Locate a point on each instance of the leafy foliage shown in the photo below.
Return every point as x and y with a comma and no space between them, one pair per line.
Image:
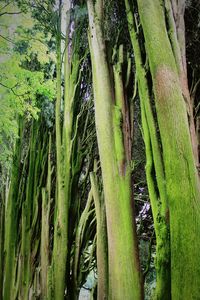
23,80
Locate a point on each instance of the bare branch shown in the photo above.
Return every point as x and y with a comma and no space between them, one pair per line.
10,13
5,6
7,39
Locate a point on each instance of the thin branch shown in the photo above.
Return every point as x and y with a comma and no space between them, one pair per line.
7,39
5,6
29,38
12,90
10,13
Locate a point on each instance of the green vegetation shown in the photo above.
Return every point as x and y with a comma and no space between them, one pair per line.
99,150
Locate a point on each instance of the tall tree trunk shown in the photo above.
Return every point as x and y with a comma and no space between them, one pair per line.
154,164
11,213
27,216
29,199
2,225
65,139
61,209
102,255
45,229
182,183
116,172
176,30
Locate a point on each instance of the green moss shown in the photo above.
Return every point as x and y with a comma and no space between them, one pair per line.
118,136
11,214
182,183
154,163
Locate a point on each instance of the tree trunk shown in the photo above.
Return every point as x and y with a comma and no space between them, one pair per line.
116,172
182,183
65,138
102,255
176,30
154,164
2,225
11,212
45,228
61,209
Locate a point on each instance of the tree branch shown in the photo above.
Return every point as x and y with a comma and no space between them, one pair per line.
5,6
7,39
12,89
10,13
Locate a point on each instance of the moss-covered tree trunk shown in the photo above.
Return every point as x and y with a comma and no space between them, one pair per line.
124,282
154,167
2,218
61,207
27,208
45,229
11,214
180,174
34,172
174,11
66,137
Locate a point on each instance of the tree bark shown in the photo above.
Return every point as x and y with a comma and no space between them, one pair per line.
11,212
182,183
154,164
116,172
102,255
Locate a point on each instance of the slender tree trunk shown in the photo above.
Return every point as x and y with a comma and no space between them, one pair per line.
176,30
27,208
65,138
2,218
45,251
102,256
122,245
11,223
78,245
61,209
